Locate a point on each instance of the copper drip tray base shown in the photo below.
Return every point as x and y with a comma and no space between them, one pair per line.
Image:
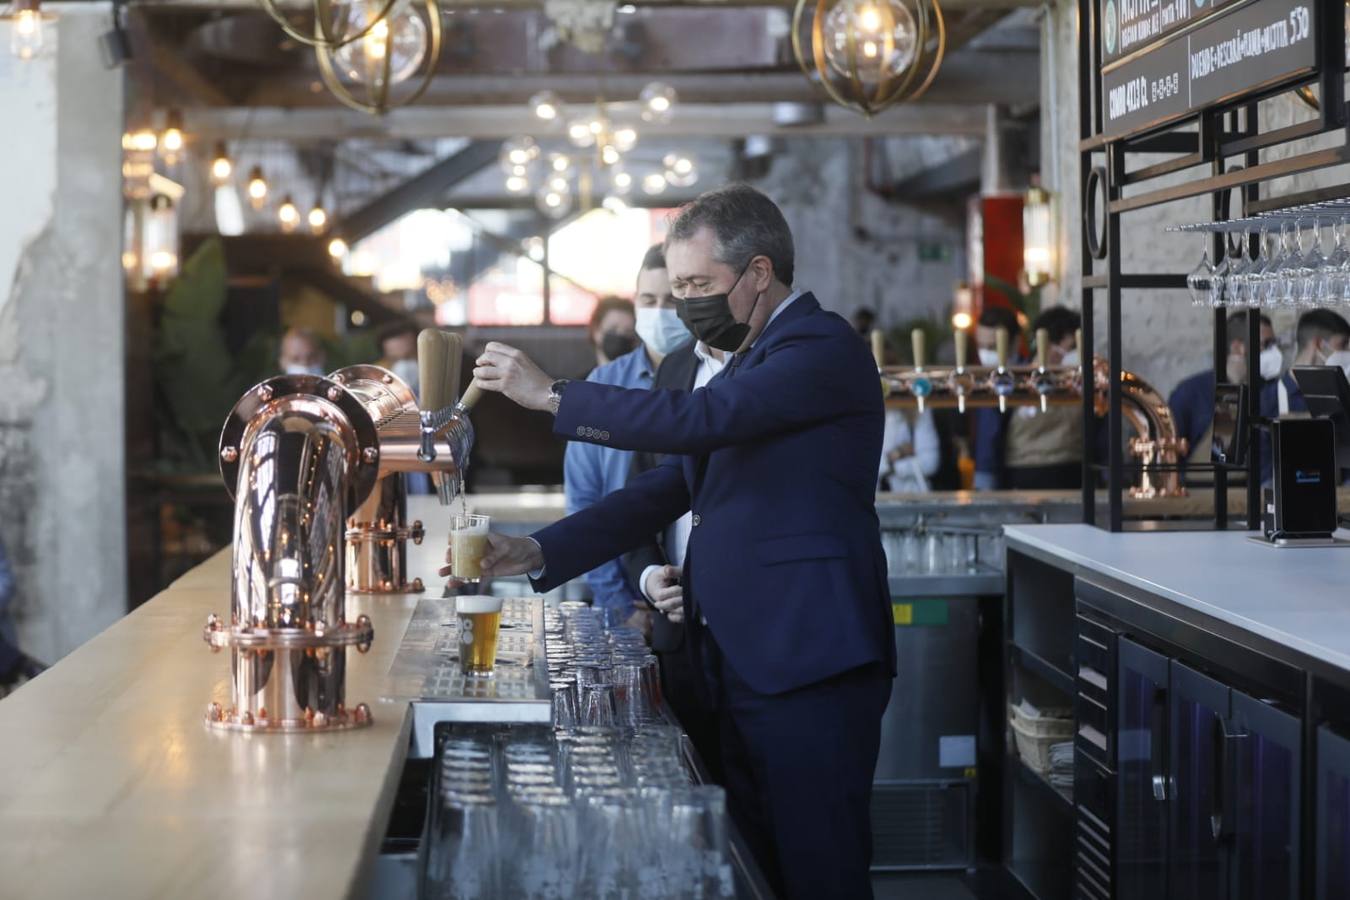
229,719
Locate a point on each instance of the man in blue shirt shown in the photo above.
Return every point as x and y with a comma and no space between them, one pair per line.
1192,400
591,471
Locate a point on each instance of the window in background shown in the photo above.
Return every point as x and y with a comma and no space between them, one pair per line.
597,255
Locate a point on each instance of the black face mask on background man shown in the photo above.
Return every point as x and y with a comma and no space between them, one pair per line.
709,318
617,343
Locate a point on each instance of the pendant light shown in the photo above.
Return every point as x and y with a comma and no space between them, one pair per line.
27,22
334,24
870,54
362,73
288,215
257,187
318,218
221,165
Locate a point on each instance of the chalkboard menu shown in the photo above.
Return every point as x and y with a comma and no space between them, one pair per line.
1229,54
1128,25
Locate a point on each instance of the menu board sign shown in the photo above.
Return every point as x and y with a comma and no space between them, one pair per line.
1128,25
1235,52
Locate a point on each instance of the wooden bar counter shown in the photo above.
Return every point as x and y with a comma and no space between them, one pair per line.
113,786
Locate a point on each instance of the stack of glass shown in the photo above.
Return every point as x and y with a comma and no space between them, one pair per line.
931,551
600,805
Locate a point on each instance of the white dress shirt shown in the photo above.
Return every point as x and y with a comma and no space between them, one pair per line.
911,473
677,535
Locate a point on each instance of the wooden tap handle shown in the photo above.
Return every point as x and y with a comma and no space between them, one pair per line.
962,340
879,347
1042,347
431,353
917,337
1001,340
471,395
454,357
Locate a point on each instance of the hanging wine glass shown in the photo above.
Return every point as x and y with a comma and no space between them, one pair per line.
1256,274
1310,263
1200,278
1329,288
1239,285
1218,285
1280,284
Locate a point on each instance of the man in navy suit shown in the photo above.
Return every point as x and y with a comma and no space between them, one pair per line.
786,604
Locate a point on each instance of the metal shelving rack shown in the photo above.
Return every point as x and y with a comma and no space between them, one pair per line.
1225,137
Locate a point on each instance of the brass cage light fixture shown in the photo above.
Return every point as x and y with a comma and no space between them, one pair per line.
870,54
406,42
335,24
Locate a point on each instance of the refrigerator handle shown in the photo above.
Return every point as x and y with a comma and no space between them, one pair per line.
1227,746
1157,725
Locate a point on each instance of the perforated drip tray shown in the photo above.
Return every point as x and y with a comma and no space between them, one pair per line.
426,670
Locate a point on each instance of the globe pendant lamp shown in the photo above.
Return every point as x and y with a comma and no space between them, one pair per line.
362,73
870,54
335,24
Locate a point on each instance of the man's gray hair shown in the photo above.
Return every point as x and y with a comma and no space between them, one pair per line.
744,223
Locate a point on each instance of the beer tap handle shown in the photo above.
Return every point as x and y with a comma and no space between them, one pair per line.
431,369
879,347
962,339
1001,341
1042,347
917,337
472,394
454,356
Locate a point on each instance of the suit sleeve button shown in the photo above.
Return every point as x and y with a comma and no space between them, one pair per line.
697,520
581,431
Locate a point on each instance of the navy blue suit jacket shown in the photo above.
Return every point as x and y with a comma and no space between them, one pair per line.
776,458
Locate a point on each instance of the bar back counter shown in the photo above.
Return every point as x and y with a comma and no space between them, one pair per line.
1209,679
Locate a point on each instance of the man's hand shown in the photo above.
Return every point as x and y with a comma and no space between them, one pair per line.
904,451
666,593
505,556
505,370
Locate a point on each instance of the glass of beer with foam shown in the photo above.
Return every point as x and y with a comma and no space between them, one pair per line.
479,622
468,543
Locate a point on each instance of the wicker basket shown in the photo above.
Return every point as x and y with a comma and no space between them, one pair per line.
1035,736
1051,723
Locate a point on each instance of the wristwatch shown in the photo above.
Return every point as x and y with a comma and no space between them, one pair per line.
555,392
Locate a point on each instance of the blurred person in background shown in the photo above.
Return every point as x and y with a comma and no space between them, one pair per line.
864,320
1044,450
302,353
613,329
1192,401
16,667
398,353
592,471
990,424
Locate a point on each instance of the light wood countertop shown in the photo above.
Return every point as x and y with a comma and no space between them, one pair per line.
112,786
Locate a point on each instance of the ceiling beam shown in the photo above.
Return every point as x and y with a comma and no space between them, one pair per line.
427,188
733,120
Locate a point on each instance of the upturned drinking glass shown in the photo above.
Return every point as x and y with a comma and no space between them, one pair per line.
1311,262
1239,284
1199,280
1329,287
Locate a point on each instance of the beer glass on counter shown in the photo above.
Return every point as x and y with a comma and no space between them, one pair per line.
468,544
479,623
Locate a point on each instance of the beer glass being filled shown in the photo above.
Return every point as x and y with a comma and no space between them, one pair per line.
468,543
479,622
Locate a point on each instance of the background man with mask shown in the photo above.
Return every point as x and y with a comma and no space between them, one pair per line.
613,329
1044,450
591,471
1321,339
787,610
1192,400
301,353
398,353
654,568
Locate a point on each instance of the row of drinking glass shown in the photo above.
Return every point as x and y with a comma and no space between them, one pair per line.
590,813
1290,266
930,552
600,673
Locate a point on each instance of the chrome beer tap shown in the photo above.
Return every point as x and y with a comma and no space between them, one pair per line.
1001,381
960,382
1042,380
919,385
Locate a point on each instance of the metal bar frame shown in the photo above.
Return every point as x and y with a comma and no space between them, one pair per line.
1227,137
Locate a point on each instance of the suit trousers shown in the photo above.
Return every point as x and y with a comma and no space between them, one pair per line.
797,768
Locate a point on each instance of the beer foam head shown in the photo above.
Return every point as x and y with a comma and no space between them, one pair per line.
478,604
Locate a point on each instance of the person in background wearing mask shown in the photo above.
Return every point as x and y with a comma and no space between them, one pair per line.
1320,340
591,471
1044,450
302,353
655,567
1192,401
613,329
398,353
990,424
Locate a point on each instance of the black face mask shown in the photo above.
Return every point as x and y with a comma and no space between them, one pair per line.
617,343
710,320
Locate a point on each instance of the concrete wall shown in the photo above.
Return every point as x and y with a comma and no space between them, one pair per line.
853,248
62,467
